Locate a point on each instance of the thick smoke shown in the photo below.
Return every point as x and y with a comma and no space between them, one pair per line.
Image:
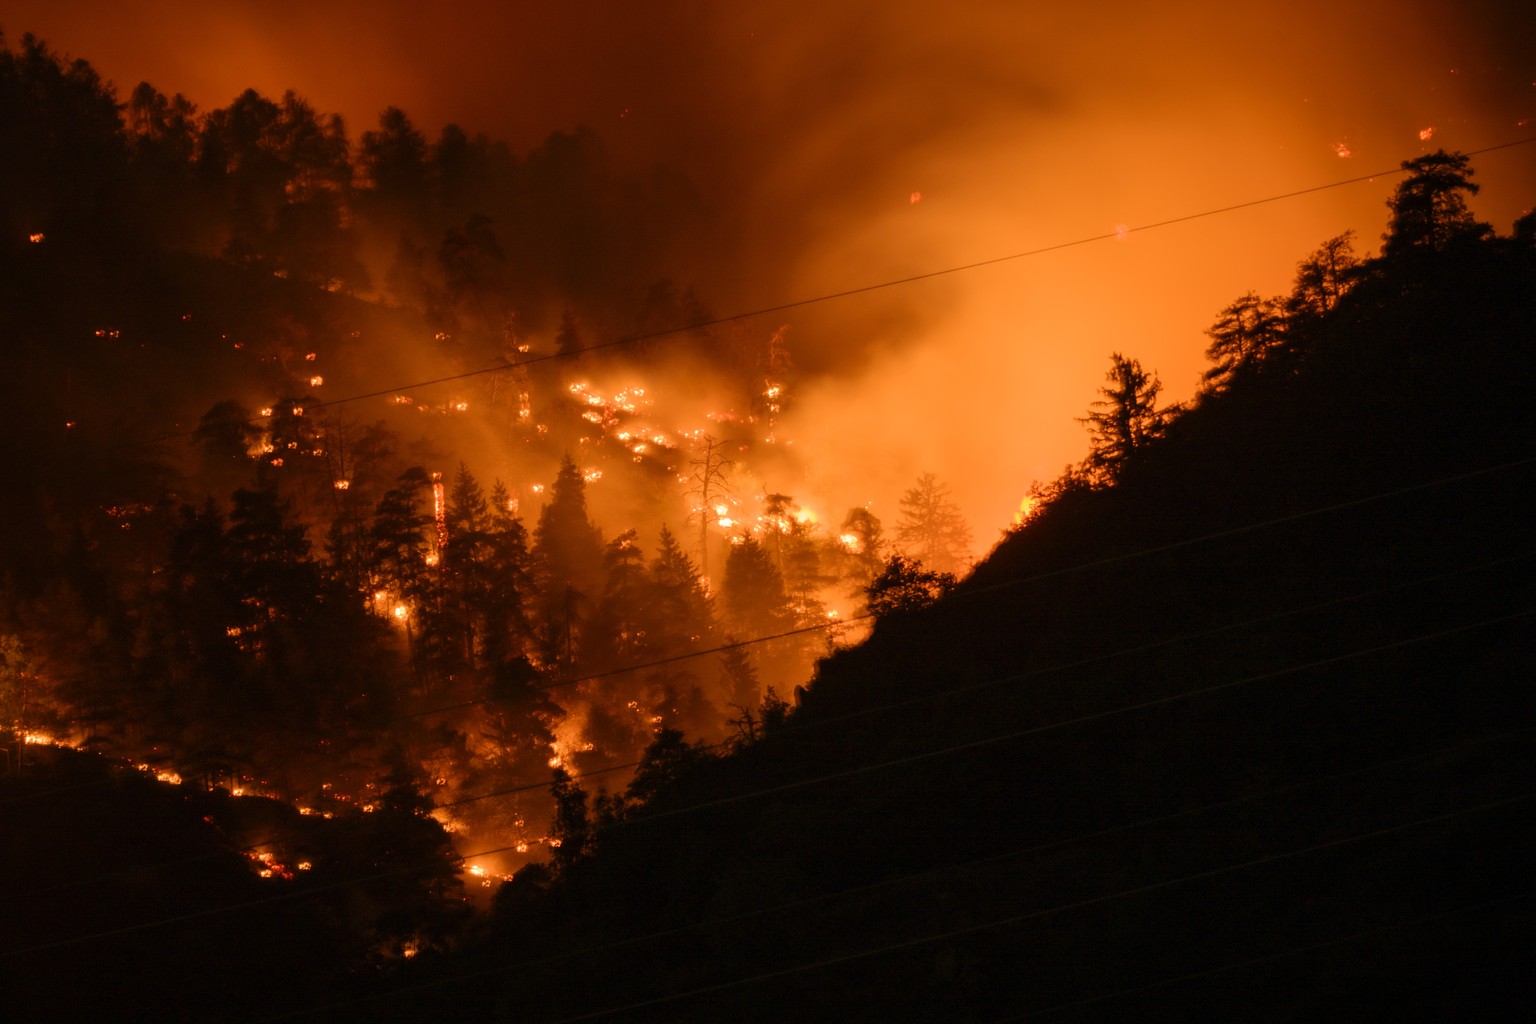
854,143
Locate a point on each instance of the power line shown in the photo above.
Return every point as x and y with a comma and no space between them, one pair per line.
829,777
930,873
795,729
800,728
1083,719
969,592
1283,954
1016,919
844,293
300,893
966,592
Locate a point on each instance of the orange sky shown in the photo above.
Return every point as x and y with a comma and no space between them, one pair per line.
810,127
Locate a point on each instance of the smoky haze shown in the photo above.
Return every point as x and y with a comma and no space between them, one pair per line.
843,144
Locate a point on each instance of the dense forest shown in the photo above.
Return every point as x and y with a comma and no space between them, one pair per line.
304,720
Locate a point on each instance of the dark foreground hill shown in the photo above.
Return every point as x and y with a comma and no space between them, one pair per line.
1245,736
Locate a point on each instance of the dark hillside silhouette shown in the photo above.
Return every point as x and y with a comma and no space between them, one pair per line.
1242,735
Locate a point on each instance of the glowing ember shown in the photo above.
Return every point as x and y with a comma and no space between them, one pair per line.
316,381
1342,150
342,485
1425,134
36,237
266,410
309,357
915,198
401,612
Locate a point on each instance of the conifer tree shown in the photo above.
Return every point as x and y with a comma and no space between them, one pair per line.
932,530
569,550
565,540
1245,335
1323,278
1125,420
1429,208
755,602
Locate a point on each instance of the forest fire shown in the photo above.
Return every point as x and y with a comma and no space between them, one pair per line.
570,539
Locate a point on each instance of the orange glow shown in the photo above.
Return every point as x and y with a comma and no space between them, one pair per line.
1139,115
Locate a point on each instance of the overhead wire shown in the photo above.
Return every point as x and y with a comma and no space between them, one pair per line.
832,296
1017,919
919,876
966,592
1291,951
799,728
834,776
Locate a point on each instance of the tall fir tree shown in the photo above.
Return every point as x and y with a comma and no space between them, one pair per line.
932,530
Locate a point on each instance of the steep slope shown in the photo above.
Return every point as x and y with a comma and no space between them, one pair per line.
1246,734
